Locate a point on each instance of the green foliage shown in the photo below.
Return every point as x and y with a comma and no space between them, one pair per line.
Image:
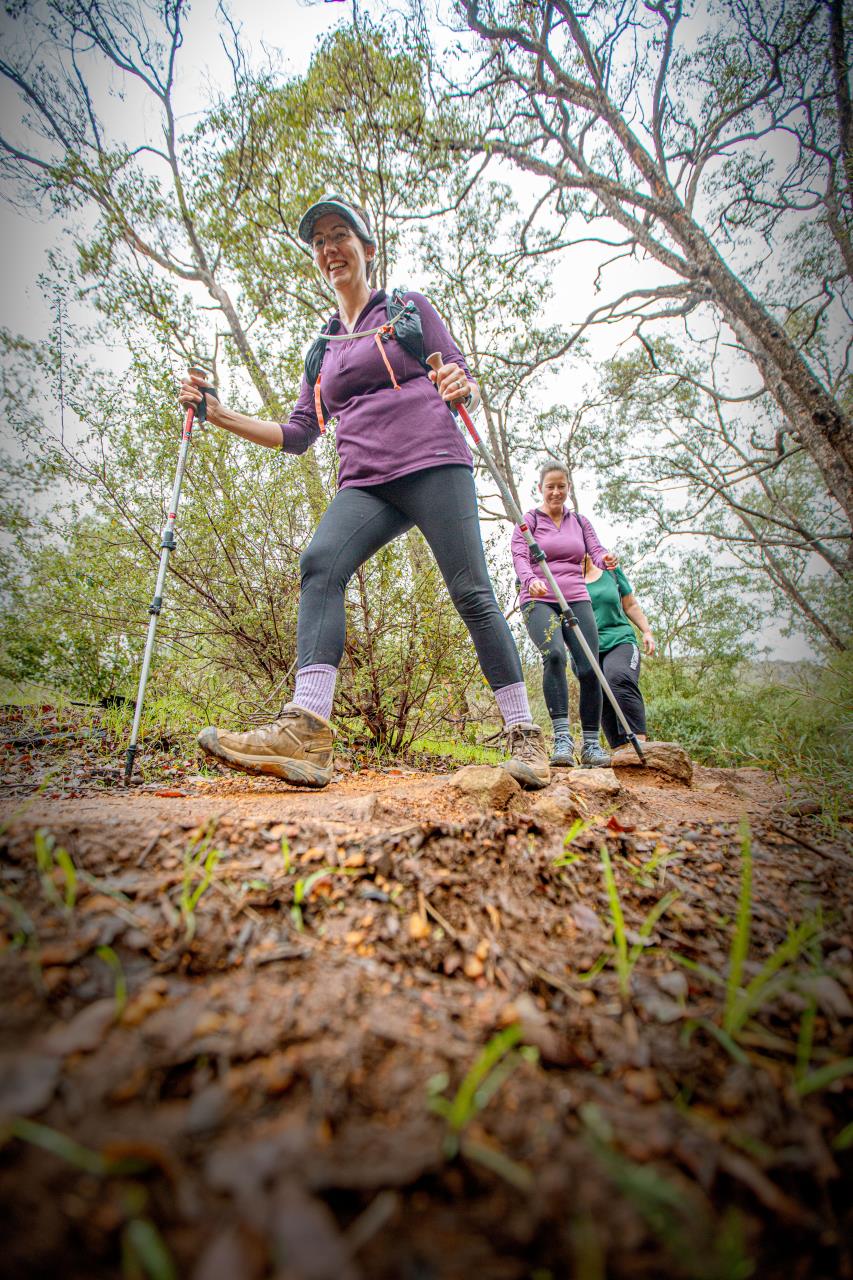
200,862
794,721
50,860
113,963
672,1212
624,957
740,938
496,1062
742,1001
145,1254
303,886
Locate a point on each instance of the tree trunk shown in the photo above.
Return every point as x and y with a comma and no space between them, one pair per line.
814,414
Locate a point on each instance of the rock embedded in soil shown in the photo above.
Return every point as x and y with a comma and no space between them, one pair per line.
594,784
490,786
557,805
666,757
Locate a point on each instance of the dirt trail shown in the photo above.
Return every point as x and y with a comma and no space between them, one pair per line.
258,1016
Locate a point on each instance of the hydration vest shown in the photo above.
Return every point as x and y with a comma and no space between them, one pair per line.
403,322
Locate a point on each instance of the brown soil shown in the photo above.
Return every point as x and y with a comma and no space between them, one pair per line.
267,1101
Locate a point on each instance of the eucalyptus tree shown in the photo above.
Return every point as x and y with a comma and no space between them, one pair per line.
685,458
495,296
713,143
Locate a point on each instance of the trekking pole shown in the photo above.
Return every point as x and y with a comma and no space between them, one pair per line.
435,362
195,413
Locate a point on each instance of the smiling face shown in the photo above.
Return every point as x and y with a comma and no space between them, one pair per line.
555,489
341,257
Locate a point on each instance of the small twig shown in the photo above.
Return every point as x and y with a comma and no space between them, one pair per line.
844,858
151,845
549,978
440,920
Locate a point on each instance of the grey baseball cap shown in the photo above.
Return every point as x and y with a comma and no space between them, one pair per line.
333,202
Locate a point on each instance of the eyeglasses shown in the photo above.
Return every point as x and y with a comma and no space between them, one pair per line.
319,243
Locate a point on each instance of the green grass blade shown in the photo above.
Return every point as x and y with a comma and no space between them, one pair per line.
649,923
112,961
722,1036
463,1106
823,1077
64,861
59,1144
740,940
517,1175
757,990
623,969
146,1250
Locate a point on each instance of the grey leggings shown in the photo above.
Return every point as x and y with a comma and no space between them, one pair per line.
551,637
442,503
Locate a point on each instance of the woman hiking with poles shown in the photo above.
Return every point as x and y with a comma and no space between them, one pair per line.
402,464
566,538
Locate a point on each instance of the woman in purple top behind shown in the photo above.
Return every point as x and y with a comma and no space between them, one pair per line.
566,538
403,463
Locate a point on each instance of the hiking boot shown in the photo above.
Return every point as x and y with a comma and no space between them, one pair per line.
296,747
563,754
528,759
594,756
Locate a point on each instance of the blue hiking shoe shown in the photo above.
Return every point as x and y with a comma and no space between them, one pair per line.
563,754
594,756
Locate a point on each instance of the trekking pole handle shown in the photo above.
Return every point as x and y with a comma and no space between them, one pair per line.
436,362
199,411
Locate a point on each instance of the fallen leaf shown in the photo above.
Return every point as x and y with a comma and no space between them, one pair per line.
151,997
170,795
586,919
643,1084
84,1032
674,984
27,1082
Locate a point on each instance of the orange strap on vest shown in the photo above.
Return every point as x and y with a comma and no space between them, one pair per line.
318,406
377,338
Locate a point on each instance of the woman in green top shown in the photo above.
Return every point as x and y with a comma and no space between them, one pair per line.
614,604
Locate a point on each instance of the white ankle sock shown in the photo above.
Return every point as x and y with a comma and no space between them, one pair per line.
513,704
315,689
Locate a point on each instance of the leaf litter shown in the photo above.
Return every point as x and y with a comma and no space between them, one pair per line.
387,1031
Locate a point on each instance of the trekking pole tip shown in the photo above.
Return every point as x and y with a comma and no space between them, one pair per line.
128,762
635,743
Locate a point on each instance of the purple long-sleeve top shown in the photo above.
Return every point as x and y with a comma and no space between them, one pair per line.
381,433
564,550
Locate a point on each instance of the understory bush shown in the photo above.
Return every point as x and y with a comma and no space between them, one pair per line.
800,728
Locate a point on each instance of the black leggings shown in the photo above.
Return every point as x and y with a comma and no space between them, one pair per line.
621,666
442,503
543,622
